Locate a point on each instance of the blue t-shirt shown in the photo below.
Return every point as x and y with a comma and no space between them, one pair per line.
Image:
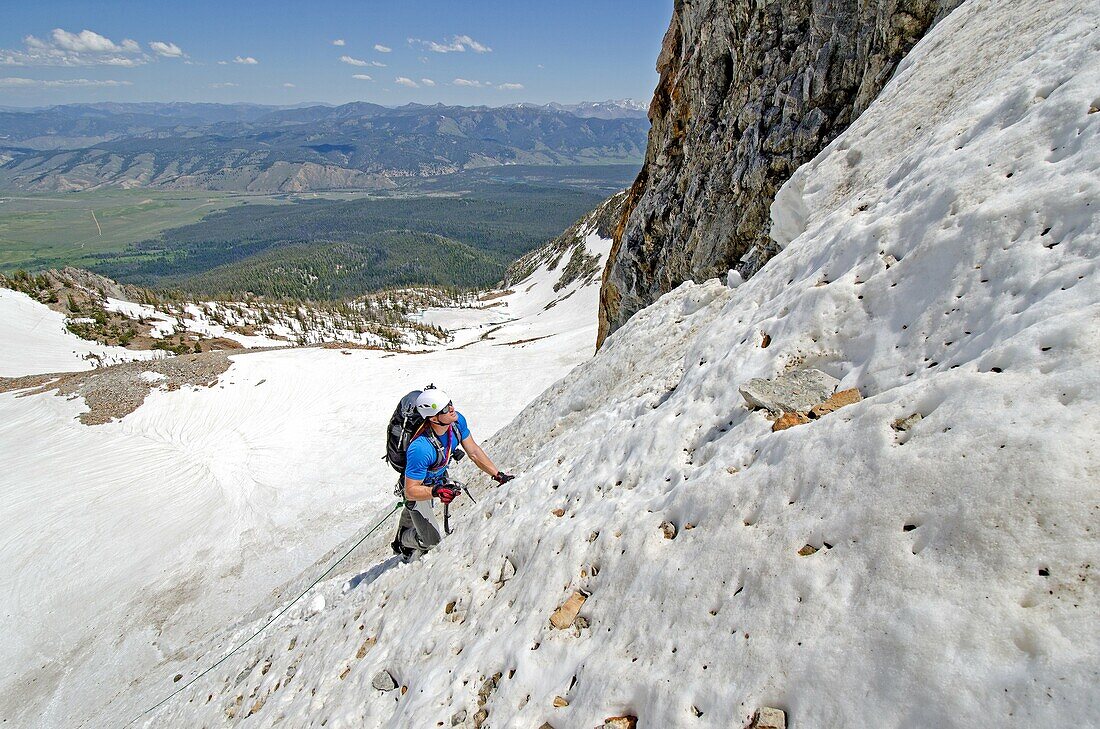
421,454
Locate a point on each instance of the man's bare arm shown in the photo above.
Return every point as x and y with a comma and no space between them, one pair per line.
478,456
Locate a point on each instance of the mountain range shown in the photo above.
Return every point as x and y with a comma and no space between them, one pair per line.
244,147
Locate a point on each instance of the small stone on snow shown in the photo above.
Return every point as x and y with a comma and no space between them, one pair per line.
507,570
620,722
903,424
769,718
563,617
383,681
669,530
560,702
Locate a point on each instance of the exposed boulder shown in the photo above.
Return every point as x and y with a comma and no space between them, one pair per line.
793,392
748,92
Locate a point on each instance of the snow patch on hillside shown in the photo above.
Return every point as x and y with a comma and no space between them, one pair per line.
948,268
36,341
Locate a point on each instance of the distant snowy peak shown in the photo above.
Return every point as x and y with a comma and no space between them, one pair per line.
611,109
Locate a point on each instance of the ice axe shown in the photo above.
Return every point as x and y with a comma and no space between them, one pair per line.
461,488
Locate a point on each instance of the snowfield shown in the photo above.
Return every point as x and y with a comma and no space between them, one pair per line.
126,543
865,569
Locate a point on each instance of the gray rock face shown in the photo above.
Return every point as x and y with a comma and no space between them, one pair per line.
748,92
793,392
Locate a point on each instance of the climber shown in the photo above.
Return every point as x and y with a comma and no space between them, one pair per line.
433,445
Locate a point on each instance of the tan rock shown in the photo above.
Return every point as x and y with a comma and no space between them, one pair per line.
558,512
620,722
560,702
367,645
769,718
903,424
564,616
669,530
807,550
789,420
836,401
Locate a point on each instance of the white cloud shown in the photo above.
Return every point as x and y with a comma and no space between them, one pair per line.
457,44
467,82
377,64
427,82
381,48
362,77
223,63
352,61
472,44
339,42
510,87
86,48
168,50
289,86
402,81
85,41
246,60
12,82
225,85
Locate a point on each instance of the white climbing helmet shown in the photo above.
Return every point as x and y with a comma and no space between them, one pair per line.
431,401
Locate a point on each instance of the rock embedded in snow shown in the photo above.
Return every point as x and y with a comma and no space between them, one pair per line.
620,722
797,391
383,681
769,718
560,702
901,425
507,570
789,420
563,617
668,529
836,401
458,717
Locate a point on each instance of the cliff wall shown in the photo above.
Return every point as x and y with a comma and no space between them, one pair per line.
748,92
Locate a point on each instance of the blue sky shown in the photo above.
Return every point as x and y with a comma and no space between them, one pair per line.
276,52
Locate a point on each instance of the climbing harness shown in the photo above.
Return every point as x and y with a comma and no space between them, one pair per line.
325,574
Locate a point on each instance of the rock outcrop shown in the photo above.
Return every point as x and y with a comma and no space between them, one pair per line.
748,92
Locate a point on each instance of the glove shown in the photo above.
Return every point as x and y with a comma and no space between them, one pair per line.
502,478
444,493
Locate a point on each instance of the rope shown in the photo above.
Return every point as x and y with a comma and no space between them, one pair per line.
168,698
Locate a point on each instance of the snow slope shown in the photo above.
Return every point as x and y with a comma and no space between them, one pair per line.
36,341
946,265
127,544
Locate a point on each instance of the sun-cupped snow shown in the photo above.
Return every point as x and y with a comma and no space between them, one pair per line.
129,545
35,341
865,569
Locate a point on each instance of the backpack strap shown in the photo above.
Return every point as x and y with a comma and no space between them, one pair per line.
442,455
